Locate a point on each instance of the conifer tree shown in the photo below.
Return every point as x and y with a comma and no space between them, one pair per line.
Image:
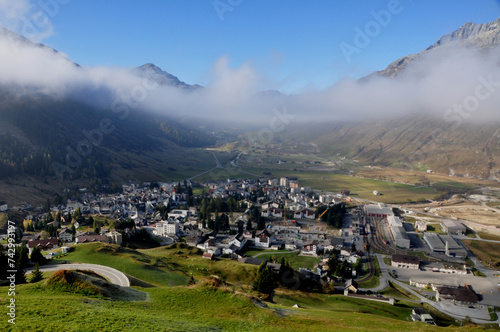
36,275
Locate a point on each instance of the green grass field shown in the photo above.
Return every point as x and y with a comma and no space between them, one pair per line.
132,262
435,228
199,308
192,308
3,220
360,188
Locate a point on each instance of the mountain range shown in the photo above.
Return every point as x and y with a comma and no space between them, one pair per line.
470,149
39,130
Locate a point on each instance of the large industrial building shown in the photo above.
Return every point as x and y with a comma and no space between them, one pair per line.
398,232
454,227
378,210
444,244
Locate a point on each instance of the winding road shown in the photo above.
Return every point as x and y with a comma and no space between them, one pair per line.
114,276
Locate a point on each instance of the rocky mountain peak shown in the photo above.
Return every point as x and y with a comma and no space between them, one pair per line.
481,36
160,76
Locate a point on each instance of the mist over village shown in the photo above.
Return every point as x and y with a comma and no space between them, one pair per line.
249,166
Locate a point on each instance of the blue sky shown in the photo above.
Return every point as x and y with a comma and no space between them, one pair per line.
292,44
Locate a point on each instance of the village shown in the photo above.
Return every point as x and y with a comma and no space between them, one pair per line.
172,216
229,218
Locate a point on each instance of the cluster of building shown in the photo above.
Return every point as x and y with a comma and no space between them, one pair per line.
140,202
438,243
398,233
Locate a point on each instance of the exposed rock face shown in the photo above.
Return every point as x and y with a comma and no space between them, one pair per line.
482,36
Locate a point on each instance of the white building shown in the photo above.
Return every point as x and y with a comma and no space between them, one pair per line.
284,182
405,261
164,228
398,232
114,237
3,206
66,235
263,239
178,213
453,227
421,226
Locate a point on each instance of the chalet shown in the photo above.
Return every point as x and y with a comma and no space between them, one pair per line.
28,238
296,206
194,239
3,206
91,238
309,214
351,285
43,244
231,250
457,295
298,214
66,235
270,205
263,239
238,240
310,249
333,243
272,213
405,261
278,246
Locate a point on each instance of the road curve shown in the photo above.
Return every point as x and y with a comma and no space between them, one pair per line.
114,276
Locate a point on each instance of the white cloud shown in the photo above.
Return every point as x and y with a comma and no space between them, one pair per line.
431,87
29,18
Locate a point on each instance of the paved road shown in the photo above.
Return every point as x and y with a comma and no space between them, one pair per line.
114,276
477,315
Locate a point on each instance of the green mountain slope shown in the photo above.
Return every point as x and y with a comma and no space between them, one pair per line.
470,150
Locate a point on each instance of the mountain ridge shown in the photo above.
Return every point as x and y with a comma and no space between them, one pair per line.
161,77
479,35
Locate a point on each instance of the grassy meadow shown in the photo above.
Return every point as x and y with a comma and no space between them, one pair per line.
169,304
